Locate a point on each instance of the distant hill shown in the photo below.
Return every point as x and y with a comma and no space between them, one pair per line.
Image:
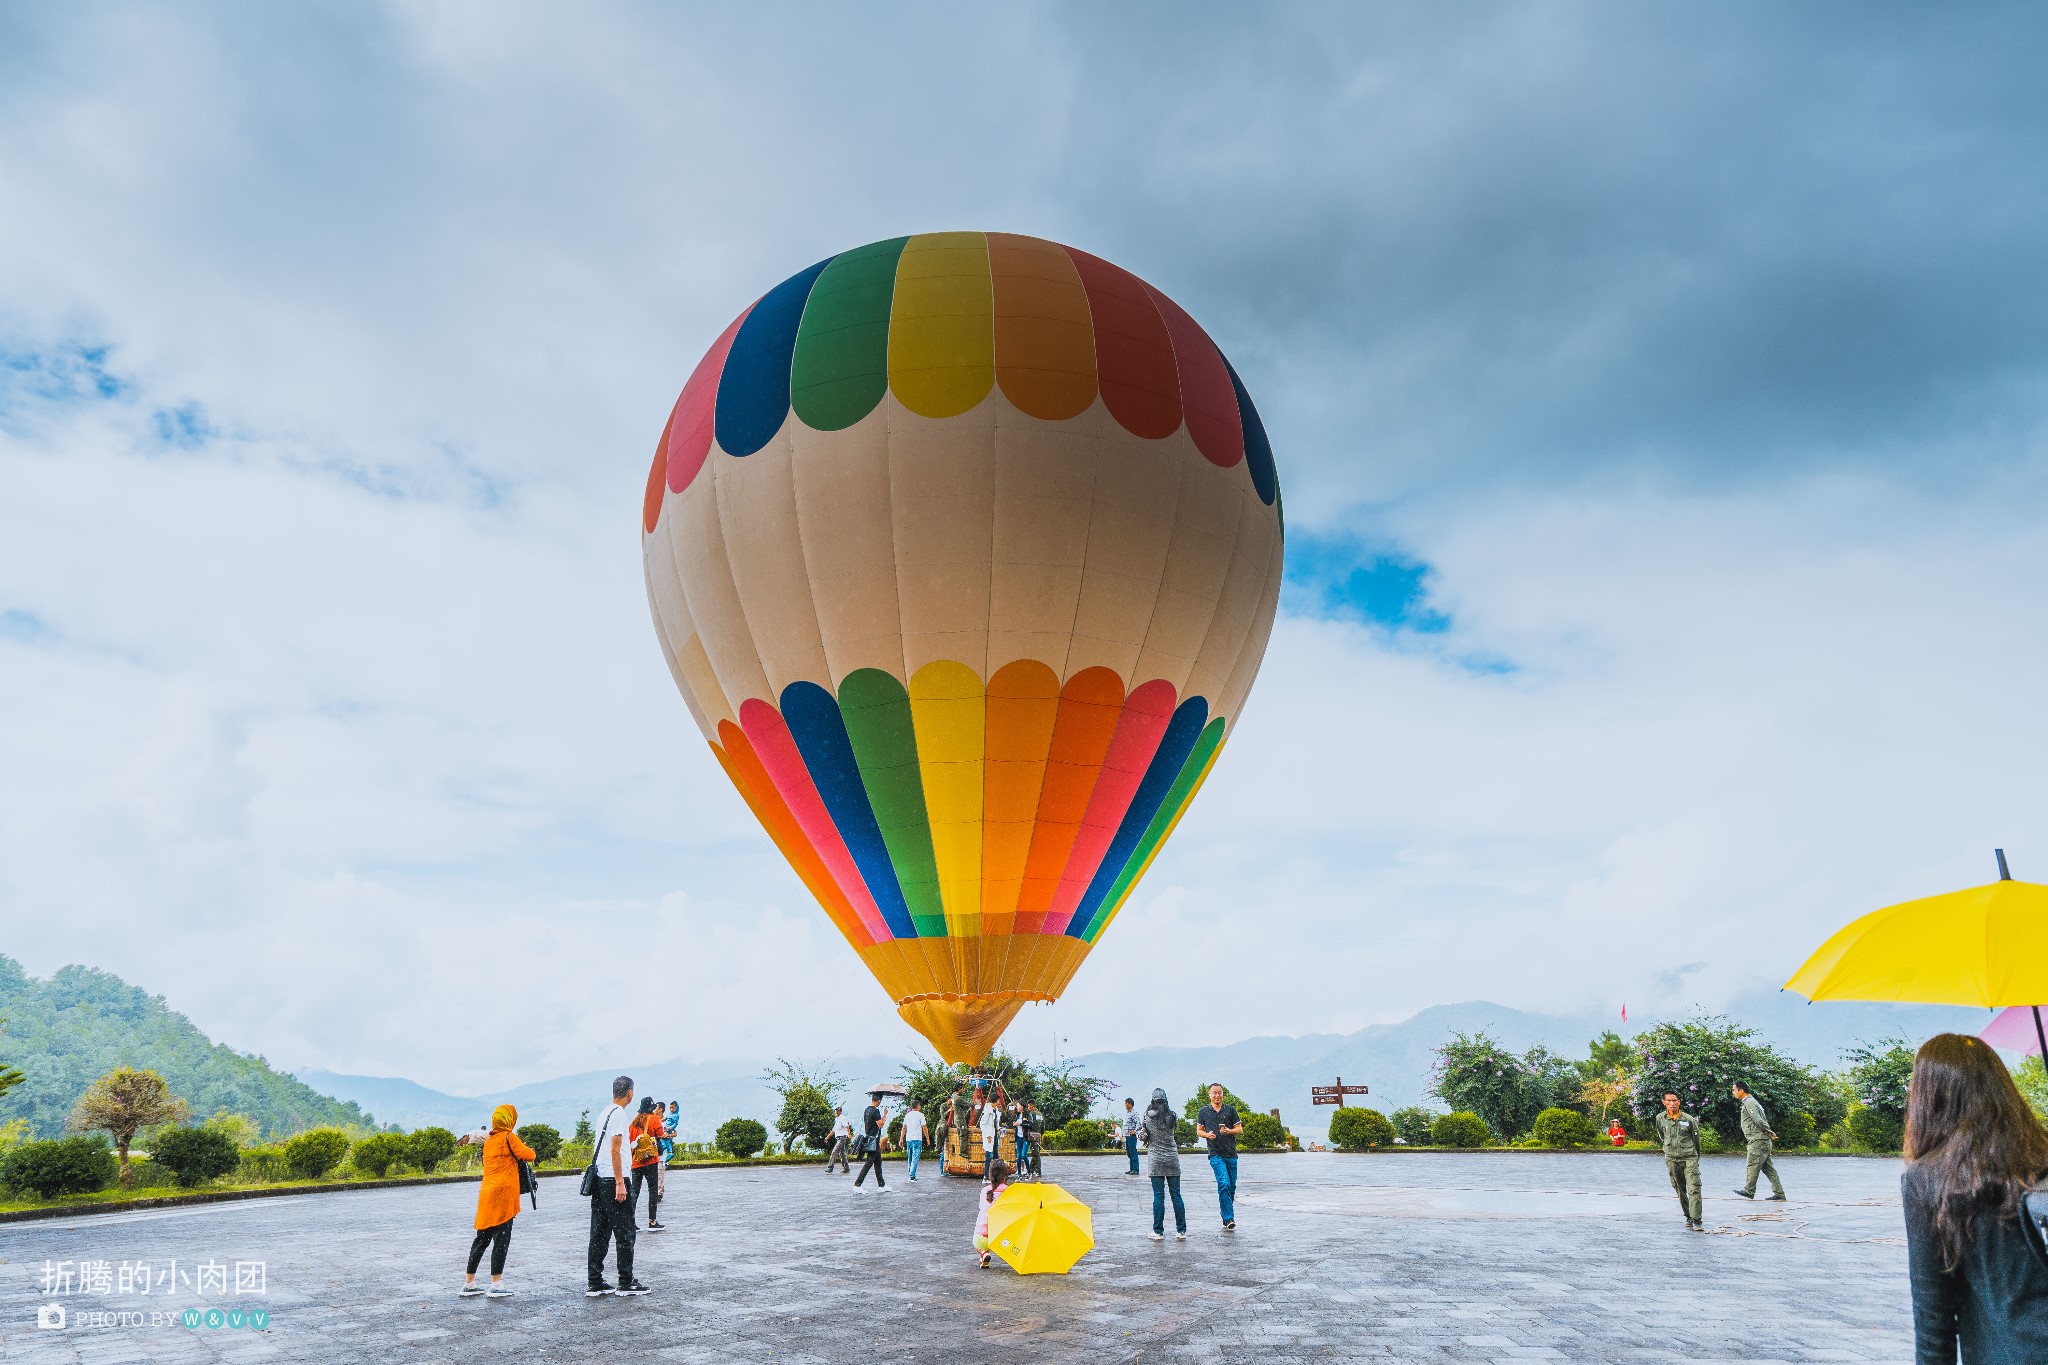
1394,1059
66,1032
1272,1072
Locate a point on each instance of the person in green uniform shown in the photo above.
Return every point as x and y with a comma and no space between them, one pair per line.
1681,1134
1757,1134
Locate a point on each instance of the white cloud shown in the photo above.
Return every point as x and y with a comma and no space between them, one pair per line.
347,725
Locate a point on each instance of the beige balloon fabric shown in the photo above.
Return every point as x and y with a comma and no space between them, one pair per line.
963,550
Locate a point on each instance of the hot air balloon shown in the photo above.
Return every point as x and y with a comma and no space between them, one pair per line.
963,549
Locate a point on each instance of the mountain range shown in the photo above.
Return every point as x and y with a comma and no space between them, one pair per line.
1393,1060
80,1023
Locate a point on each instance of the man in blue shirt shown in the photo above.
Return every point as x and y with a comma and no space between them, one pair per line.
1219,1126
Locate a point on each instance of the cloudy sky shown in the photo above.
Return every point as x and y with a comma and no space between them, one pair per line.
1659,397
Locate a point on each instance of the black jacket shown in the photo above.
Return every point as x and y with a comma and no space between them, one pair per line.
1994,1305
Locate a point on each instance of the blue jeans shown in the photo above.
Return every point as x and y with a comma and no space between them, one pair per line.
1023,1156
1160,1185
1225,1168
915,1149
1131,1151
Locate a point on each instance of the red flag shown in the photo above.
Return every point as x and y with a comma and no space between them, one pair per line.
1624,1011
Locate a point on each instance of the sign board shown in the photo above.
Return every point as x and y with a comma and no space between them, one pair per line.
1334,1094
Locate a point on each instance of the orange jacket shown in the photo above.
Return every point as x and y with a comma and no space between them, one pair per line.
497,1200
650,1124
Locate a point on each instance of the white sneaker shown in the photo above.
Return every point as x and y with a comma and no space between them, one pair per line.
497,1291
1156,1236
470,1291
1180,1236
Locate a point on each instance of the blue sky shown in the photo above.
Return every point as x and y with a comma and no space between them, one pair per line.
1658,400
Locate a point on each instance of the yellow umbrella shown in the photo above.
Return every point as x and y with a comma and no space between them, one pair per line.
1984,946
1040,1229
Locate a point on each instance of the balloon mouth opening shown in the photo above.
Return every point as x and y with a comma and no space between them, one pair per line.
964,1027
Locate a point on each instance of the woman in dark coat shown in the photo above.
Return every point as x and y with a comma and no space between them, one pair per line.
1973,1148
1162,1163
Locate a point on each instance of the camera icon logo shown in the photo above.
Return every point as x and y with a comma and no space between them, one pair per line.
50,1316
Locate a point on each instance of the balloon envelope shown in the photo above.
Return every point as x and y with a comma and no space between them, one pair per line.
963,549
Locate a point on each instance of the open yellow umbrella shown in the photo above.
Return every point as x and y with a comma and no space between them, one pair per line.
1984,946
1040,1229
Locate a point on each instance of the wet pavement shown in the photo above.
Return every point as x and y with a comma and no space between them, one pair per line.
1410,1257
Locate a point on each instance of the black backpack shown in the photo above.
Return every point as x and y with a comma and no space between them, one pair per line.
2034,1221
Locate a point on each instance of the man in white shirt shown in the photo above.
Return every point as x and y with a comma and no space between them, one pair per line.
842,1134
612,1197
991,1124
913,1135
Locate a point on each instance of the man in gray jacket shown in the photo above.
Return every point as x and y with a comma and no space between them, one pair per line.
1756,1132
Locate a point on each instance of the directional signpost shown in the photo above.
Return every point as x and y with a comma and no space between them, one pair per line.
1334,1094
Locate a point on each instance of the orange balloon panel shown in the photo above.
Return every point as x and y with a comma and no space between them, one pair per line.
963,549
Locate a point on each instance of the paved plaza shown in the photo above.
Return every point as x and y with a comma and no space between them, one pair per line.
1505,1257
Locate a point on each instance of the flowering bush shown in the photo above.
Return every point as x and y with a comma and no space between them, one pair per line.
1478,1075
1699,1060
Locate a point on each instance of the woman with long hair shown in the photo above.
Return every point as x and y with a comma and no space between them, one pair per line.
1973,1148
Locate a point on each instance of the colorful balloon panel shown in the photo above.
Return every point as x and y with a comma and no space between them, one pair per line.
963,549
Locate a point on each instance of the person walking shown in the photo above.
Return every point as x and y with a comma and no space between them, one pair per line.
842,1133
1758,1137
1681,1134
913,1137
1973,1151
1131,1127
497,1202
1162,1163
612,1196
646,1137
874,1136
1219,1126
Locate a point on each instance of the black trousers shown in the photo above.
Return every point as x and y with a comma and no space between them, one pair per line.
498,1239
612,1220
650,1178
872,1161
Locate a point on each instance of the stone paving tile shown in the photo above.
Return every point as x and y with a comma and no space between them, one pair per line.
1510,1258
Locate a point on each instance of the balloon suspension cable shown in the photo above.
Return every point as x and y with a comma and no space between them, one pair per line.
2039,1036
2004,872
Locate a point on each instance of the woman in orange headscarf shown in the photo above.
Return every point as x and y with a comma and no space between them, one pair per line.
497,1202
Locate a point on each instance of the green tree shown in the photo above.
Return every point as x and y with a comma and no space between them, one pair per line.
428,1147
195,1155
1079,1135
73,1165
740,1137
584,1133
241,1130
544,1138
1699,1059
1358,1130
315,1152
122,1103
1878,1074
1460,1130
1062,1093
1262,1132
1562,1128
808,1091
379,1152
2033,1083
1476,1074
1605,1055
1412,1125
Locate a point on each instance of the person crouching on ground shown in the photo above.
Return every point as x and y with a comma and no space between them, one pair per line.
497,1202
1681,1134
645,1133
998,1181
1973,1151
1162,1158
